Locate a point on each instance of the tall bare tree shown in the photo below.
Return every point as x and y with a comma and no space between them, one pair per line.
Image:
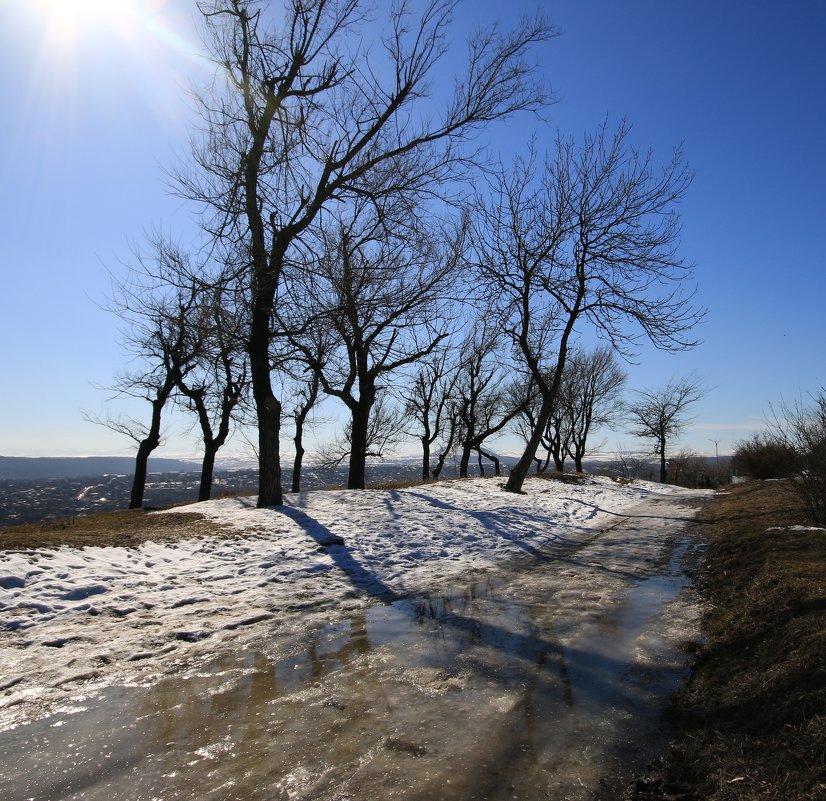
155,333
587,238
427,403
485,402
210,369
553,445
661,415
303,117
594,381
215,382
379,294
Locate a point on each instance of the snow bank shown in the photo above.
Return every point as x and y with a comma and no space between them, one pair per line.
74,617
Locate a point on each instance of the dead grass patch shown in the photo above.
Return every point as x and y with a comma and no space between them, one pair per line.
127,528
751,721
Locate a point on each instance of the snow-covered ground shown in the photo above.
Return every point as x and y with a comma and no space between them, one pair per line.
77,619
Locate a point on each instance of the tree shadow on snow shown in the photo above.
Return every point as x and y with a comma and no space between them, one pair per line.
335,547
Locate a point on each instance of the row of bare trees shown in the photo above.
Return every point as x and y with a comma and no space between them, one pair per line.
367,249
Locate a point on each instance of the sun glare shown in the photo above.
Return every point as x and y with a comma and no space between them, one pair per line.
85,51
70,21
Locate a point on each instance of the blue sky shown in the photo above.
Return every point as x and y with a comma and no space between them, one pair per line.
95,108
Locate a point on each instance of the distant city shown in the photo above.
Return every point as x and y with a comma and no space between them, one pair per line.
55,488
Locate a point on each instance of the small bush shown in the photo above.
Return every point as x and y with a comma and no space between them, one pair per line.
765,456
804,428
801,428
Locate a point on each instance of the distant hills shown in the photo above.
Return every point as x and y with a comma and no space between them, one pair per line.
23,467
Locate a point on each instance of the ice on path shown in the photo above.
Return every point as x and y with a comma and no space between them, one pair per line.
118,614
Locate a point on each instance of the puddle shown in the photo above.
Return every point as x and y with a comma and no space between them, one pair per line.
507,688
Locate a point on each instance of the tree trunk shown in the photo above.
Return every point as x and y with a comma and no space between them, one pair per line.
425,458
578,464
148,444
269,456
359,429
663,469
267,406
464,461
520,470
497,468
139,481
207,467
479,462
299,458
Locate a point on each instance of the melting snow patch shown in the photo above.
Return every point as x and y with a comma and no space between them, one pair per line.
287,569
796,528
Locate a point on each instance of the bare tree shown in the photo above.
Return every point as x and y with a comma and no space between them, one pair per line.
661,415
427,401
593,383
303,117
385,430
553,444
216,380
627,464
765,455
380,296
485,402
155,332
305,399
304,387
589,237
689,469
210,370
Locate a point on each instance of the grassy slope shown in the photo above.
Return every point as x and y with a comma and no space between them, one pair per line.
751,721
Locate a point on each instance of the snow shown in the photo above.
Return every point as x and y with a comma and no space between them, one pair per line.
796,528
78,619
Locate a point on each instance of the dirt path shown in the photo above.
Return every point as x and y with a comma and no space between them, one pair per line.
544,681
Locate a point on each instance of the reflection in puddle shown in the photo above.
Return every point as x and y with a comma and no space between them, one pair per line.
482,693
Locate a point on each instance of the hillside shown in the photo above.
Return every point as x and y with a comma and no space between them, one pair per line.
23,467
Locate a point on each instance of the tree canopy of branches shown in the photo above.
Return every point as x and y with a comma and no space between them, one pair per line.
587,237
303,117
661,415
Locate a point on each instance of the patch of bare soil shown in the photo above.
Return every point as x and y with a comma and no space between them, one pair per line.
126,528
751,721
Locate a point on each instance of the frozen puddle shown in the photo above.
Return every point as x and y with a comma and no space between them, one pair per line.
542,682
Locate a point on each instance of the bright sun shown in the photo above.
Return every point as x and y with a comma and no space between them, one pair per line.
69,21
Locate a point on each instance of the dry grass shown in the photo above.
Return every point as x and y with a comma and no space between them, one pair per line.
751,720
126,528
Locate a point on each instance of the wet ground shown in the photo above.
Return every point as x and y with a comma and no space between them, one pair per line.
544,681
